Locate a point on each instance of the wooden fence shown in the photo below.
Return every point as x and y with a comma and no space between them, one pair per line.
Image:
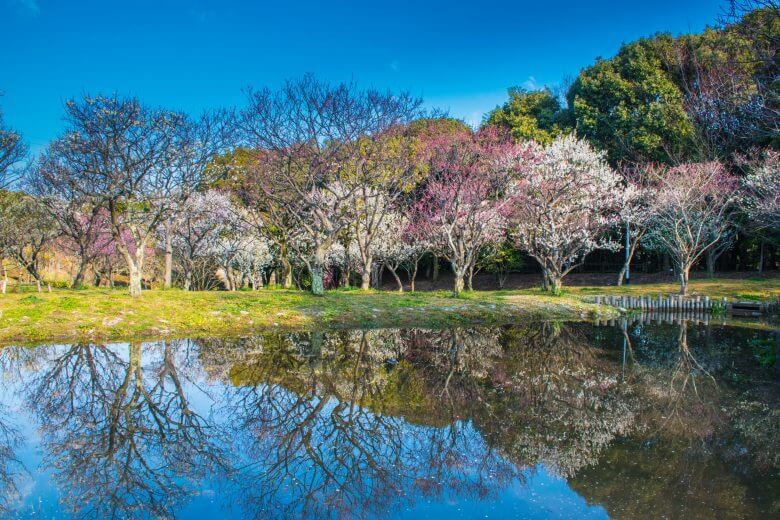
678,303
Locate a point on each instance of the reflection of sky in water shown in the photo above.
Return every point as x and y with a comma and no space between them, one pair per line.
541,495
390,465
538,495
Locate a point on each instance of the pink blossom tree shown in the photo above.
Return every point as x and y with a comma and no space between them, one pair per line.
694,211
84,226
563,205
464,200
86,233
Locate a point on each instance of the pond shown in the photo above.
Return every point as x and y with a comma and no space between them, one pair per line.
537,420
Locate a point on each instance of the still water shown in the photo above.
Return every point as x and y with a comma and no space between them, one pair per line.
529,421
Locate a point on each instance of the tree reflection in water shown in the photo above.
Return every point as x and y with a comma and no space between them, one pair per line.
11,469
119,432
321,436
366,422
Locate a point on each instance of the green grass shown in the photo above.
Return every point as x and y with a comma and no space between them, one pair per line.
762,289
103,314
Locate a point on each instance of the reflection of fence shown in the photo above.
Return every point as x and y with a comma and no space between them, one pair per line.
668,317
677,304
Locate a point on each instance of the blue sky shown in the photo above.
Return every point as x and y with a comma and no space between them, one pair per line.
191,55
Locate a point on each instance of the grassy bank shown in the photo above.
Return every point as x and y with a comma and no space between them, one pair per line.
98,314
101,314
763,289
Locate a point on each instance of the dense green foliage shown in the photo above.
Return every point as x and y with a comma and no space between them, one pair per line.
630,106
536,115
665,98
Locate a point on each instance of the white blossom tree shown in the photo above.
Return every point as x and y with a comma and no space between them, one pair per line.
395,248
26,230
313,135
199,225
636,213
385,170
254,256
695,207
563,205
761,198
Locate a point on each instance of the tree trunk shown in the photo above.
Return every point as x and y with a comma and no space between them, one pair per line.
135,279
684,280
632,246
621,274
458,286
134,261
365,275
556,284
377,270
551,281
78,280
287,280
316,268
168,274
397,279
711,258
435,277
5,277
761,259
187,279
471,278
272,278
413,276
502,275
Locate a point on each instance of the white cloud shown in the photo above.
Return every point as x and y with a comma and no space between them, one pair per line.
530,84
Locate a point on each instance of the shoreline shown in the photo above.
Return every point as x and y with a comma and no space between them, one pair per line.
104,315
101,315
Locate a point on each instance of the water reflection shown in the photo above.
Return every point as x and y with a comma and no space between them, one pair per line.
118,429
526,420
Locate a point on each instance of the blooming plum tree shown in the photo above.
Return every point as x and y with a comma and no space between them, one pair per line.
636,212
313,135
562,206
694,211
138,163
203,218
761,199
464,200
